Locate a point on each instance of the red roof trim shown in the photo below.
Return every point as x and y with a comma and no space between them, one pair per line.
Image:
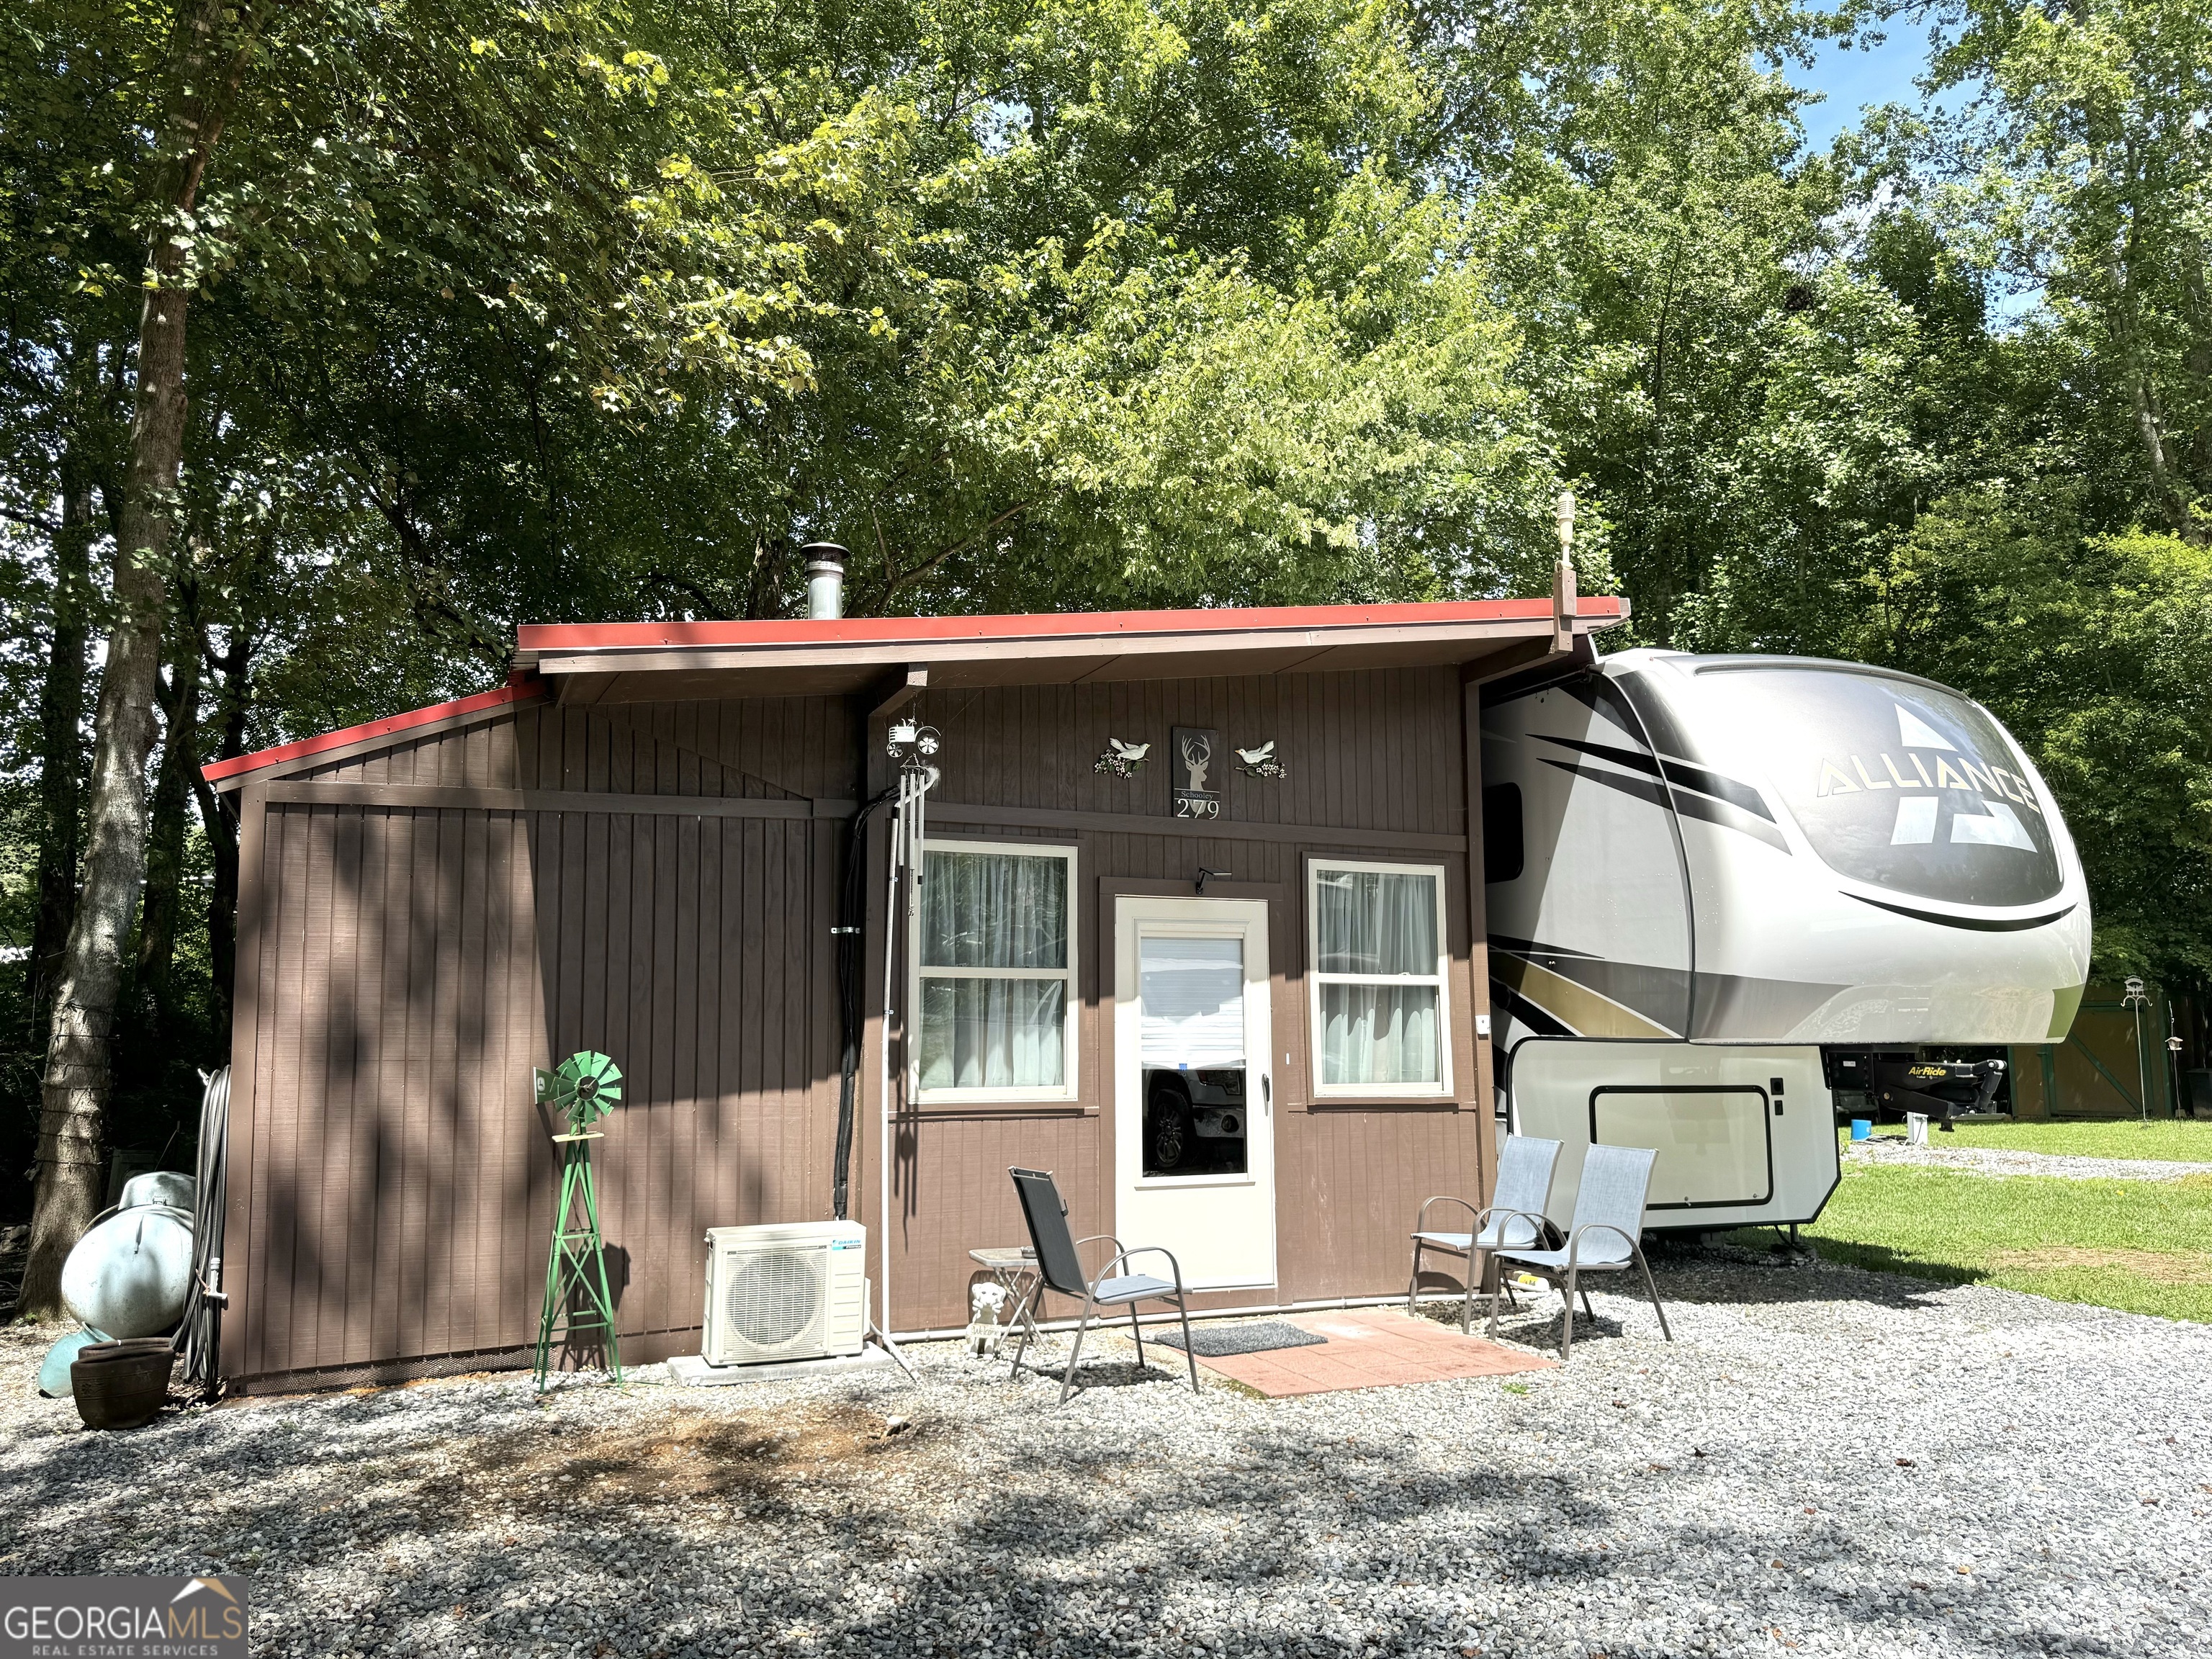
559,637
521,690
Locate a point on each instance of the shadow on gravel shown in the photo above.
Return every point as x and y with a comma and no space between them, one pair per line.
668,1530
1735,1275
1103,1372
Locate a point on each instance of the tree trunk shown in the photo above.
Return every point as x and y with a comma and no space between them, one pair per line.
164,835
231,697
2124,274
74,1109
2180,517
61,731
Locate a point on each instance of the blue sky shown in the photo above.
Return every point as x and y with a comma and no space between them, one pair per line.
1852,79
1883,74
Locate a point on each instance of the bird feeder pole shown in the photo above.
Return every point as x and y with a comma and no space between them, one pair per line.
2137,1001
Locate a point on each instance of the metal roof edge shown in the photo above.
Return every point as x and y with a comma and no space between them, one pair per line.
535,641
521,687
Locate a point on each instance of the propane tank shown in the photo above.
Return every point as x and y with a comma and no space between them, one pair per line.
129,1274
176,1190
54,1368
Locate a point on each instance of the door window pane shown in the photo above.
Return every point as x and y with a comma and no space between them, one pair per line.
1193,994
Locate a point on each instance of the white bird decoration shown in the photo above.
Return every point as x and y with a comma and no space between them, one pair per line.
1121,759
1261,763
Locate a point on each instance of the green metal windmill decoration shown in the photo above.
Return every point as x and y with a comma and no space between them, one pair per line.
583,1089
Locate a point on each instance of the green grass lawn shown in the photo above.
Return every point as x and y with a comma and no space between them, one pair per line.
2145,1246
2167,1140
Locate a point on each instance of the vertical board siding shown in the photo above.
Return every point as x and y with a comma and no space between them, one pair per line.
394,1142
407,966
416,964
1380,750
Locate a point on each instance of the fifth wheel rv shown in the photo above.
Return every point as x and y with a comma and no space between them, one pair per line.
1725,890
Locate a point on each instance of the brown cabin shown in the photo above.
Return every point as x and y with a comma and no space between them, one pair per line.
1249,831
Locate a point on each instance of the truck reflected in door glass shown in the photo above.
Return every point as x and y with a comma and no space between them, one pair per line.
1194,1121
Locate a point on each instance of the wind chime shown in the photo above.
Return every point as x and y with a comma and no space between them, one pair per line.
583,1089
914,748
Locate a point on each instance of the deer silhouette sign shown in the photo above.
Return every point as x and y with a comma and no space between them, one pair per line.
1198,757
1196,795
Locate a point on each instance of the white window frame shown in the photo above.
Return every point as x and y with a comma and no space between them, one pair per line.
1442,1088
1070,1087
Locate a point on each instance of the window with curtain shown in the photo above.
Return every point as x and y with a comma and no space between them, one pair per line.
993,990
1378,971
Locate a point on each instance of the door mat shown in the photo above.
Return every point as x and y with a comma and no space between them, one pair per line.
1221,1341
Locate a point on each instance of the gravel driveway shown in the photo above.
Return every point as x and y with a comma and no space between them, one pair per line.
2009,1161
1828,1462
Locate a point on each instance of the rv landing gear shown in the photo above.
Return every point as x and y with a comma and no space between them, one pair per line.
1943,1088
1946,1092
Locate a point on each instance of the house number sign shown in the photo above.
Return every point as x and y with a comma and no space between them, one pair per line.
1198,762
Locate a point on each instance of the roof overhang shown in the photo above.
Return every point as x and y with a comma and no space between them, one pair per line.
894,656
624,662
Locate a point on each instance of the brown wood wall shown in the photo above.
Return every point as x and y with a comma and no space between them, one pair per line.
423,923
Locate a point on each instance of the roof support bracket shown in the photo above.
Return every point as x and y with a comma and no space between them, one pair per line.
894,691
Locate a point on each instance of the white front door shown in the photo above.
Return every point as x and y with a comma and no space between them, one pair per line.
1194,1106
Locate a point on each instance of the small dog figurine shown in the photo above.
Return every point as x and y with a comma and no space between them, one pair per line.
985,1333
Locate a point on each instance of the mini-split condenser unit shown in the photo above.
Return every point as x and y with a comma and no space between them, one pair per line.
794,1291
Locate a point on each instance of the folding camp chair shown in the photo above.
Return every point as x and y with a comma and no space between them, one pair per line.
1603,1237
1515,1218
1060,1265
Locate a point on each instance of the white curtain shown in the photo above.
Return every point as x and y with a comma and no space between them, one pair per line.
1377,922
994,1033
1378,1034
993,910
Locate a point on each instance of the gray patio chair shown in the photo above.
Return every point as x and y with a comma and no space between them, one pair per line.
1603,1237
1060,1265
1515,1218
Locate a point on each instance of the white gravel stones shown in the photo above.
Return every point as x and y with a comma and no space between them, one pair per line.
1825,1461
2003,1161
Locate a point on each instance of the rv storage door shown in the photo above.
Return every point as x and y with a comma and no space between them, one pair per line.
1745,1136
1713,1142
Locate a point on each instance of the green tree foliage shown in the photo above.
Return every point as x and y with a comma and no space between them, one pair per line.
1074,304
515,310
2094,650
2082,166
